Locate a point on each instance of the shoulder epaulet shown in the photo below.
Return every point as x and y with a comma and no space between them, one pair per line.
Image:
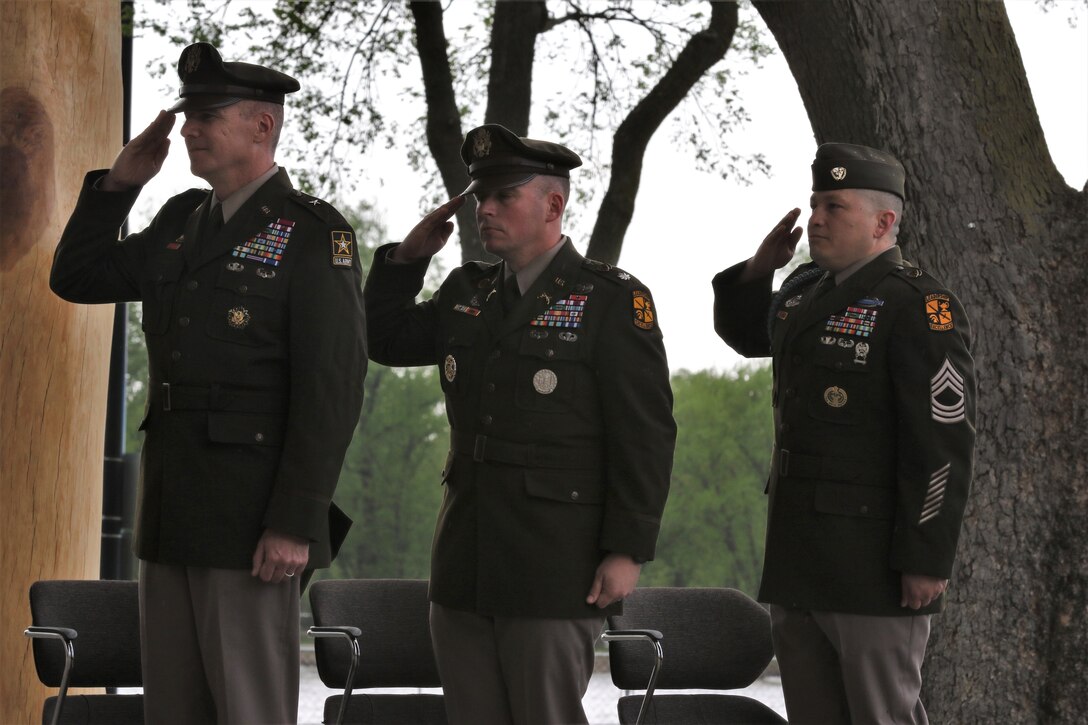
608,272
916,277
320,208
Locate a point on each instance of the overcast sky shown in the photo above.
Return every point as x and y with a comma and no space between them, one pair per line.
688,225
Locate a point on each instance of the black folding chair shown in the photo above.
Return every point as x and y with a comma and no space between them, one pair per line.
101,621
386,643
680,638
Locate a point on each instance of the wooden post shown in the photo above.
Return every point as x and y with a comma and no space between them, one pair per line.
60,116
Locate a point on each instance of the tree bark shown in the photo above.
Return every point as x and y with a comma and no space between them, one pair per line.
701,52
514,31
942,86
54,356
444,134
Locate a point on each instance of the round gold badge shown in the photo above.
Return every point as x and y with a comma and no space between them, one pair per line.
544,381
835,396
238,317
449,369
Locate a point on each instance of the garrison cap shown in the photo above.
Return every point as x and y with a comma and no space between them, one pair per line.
208,82
852,166
497,158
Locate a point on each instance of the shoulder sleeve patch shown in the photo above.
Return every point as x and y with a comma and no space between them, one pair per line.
343,248
642,307
939,312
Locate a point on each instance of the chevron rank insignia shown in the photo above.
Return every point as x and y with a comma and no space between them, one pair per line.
343,247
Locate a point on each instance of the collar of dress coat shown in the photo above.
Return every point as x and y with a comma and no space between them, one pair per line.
842,276
533,269
234,202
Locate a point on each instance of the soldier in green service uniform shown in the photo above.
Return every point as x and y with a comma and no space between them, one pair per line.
874,408
252,309
557,392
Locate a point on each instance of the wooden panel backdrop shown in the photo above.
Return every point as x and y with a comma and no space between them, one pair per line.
60,116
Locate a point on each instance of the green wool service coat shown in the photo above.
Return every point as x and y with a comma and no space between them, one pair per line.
561,424
257,352
874,410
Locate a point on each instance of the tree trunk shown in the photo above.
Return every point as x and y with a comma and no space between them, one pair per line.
513,45
54,356
942,86
701,52
444,134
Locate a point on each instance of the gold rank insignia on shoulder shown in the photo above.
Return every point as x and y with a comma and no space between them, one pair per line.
343,248
939,312
643,309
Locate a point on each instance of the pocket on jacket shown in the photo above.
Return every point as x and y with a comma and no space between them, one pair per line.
163,273
566,487
245,312
257,429
847,499
840,392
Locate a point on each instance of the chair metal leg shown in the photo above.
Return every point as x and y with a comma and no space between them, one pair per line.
351,634
66,636
645,635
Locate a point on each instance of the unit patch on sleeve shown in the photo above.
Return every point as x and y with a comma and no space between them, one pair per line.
939,312
643,308
267,246
343,248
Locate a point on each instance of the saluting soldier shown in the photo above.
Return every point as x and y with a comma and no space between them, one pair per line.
874,409
252,309
560,410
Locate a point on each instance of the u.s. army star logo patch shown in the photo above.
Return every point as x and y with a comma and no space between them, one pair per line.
643,309
939,312
342,248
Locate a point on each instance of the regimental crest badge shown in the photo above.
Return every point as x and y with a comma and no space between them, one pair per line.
642,306
449,368
343,248
835,396
481,143
939,312
192,58
238,318
838,173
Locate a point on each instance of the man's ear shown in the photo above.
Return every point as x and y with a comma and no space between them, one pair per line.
885,223
555,207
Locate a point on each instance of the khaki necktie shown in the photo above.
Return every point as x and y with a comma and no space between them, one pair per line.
511,293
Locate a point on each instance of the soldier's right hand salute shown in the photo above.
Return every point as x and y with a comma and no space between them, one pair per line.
142,157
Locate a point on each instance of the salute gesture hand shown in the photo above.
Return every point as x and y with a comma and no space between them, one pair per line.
430,235
142,157
777,248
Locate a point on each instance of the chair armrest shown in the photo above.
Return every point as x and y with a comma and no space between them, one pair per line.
351,634
65,635
652,636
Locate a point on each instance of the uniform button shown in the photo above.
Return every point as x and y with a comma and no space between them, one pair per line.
864,509
159,277
243,288
491,387
192,284
259,437
183,321
789,392
486,420
838,365
495,354
175,355
573,495
549,353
